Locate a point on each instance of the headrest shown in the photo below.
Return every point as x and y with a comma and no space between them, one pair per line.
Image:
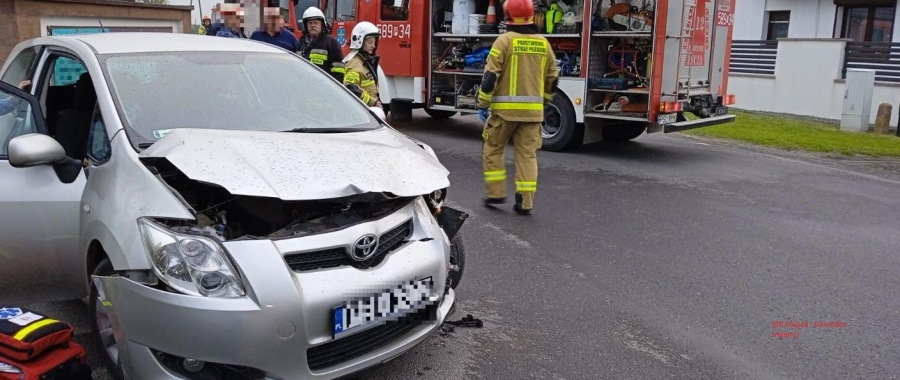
85,96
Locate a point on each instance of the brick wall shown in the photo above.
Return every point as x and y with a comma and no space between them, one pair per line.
9,35
21,19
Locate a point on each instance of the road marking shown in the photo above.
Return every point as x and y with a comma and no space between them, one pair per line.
644,345
509,237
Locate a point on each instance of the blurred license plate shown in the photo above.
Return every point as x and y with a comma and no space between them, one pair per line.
362,312
721,111
668,118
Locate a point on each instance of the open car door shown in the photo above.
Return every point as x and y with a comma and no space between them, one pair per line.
39,208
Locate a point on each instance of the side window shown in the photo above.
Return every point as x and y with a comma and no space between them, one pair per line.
346,10
98,149
57,90
16,119
20,68
66,71
394,10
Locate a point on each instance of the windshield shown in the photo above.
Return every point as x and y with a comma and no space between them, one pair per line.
158,92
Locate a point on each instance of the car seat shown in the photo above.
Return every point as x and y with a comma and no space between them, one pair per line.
73,124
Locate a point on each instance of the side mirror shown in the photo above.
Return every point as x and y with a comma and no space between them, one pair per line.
34,149
380,112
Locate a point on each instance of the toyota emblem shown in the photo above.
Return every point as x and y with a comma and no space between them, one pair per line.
365,247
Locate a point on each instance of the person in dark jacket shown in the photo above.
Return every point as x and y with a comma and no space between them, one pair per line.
319,47
274,33
233,25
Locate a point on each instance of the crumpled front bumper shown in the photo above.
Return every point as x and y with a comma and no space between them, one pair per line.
285,313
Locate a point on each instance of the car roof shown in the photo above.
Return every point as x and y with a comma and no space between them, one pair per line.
144,42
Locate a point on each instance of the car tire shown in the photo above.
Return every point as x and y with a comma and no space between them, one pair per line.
624,132
458,257
440,114
559,129
105,268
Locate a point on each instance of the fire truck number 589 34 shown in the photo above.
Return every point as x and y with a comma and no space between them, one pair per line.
724,18
391,31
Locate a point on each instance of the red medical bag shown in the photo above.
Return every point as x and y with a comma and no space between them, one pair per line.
65,362
25,334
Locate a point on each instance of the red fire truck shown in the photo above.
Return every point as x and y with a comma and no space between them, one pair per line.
627,66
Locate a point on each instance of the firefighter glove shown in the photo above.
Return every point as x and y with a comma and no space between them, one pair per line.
483,114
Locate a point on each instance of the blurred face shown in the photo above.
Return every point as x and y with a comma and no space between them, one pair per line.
232,20
272,19
314,27
369,44
232,16
207,22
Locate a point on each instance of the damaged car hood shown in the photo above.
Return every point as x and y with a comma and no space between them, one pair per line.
302,166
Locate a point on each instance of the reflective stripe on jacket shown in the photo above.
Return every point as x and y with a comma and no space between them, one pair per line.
525,66
325,52
357,73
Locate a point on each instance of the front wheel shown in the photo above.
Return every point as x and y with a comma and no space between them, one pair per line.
101,327
559,129
457,259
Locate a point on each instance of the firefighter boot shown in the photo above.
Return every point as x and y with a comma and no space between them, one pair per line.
518,206
491,202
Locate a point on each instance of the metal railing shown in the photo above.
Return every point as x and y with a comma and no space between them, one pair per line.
753,56
883,57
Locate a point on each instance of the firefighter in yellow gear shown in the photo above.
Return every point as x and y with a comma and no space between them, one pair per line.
205,26
519,77
361,64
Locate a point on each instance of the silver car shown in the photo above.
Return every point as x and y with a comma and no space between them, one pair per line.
227,208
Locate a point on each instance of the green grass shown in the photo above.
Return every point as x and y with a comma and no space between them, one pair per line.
791,133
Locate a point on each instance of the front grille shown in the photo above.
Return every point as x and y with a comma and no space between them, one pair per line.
335,257
354,346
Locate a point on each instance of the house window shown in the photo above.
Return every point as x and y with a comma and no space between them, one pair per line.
778,24
868,23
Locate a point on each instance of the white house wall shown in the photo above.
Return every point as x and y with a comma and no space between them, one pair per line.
749,17
805,83
809,18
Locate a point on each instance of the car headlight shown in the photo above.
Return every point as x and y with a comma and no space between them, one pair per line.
190,264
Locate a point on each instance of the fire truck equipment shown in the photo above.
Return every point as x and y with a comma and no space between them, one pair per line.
665,56
478,57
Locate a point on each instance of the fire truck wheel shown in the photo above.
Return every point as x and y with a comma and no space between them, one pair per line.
624,132
439,114
559,129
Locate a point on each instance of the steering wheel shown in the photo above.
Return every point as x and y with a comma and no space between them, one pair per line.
345,17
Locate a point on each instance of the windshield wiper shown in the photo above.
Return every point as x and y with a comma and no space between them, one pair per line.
325,130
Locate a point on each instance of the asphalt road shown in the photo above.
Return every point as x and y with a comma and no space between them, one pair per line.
666,257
